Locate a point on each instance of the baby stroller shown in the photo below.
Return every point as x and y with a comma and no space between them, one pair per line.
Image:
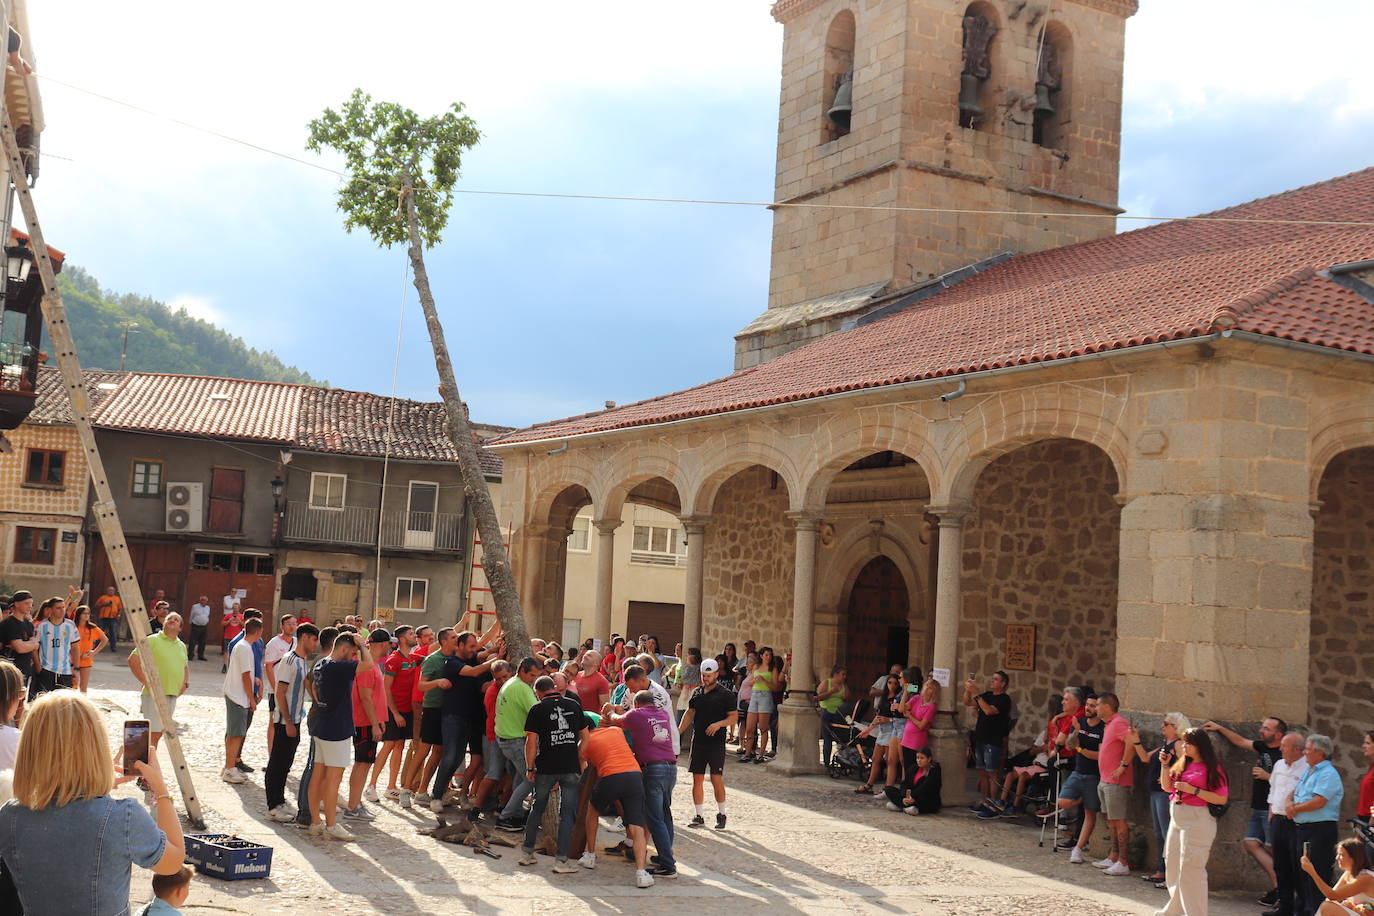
854,756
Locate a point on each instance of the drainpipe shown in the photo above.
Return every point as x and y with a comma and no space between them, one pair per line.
956,393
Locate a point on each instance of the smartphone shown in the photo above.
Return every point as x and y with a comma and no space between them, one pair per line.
1307,850
136,742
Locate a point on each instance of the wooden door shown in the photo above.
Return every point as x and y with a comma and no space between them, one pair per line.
876,627
656,618
226,501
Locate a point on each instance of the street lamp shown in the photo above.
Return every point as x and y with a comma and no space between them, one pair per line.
18,357
278,488
18,261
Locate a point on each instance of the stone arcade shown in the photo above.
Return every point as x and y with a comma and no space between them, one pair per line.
1155,448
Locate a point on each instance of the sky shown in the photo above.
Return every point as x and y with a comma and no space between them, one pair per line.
552,307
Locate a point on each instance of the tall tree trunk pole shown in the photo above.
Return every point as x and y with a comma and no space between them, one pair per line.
495,560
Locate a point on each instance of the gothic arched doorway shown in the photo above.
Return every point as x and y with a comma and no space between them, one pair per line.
877,626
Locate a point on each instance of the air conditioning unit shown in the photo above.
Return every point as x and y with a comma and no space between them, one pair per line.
185,506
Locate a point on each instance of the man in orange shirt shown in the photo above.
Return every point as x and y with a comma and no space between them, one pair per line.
108,607
619,780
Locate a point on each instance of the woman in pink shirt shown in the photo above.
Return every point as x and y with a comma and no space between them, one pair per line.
919,709
1195,780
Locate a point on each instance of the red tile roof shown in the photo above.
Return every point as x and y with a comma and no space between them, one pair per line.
315,419
52,405
1169,281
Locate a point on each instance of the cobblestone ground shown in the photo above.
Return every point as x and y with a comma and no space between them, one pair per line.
794,846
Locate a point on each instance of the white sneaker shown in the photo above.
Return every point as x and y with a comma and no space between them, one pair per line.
359,814
588,860
281,814
370,794
316,830
437,806
338,832
612,825
564,867
1076,857
911,809
1117,869
392,794
893,806
422,799
1103,863
232,776
406,798
643,879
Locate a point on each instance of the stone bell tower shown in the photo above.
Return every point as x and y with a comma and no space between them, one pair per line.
1006,105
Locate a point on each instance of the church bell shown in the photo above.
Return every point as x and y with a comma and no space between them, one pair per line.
1043,104
968,95
843,106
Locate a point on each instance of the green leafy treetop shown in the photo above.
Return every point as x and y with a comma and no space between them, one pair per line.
382,143
401,173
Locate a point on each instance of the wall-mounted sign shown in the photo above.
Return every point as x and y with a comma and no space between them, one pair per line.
69,537
1020,652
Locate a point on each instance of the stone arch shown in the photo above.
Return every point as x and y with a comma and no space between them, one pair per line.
556,481
1345,426
621,478
728,459
822,466
989,438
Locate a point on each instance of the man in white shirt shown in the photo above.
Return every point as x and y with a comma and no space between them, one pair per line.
241,695
1282,781
200,627
276,649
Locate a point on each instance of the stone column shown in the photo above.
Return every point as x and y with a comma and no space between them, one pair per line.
605,568
696,570
798,726
946,735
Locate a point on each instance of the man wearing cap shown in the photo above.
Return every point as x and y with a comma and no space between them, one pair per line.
713,710
17,640
369,712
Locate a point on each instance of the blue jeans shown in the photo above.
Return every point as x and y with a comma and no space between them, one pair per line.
513,749
659,779
1159,813
455,731
568,786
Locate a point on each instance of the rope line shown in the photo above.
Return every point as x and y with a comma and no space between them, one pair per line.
706,201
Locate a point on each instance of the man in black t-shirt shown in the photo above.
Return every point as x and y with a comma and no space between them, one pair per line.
463,716
554,728
711,713
17,642
989,732
1085,737
1259,837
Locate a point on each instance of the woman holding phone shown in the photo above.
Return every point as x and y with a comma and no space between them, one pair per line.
1354,892
1194,779
1160,801
62,784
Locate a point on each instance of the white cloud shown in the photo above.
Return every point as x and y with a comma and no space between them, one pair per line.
201,307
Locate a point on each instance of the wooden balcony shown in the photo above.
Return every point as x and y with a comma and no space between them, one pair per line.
359,526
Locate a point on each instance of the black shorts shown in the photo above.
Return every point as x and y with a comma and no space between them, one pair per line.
432,725
475,747
272,702
707,755
394,732
626,788
364,748
743,708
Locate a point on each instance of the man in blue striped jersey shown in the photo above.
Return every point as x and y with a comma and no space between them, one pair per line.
289,673
58,646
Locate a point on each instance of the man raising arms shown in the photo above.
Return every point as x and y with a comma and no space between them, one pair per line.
331,730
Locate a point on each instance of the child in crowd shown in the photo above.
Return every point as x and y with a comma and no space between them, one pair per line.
169,893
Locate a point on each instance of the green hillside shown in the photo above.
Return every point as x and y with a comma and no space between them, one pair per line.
165,341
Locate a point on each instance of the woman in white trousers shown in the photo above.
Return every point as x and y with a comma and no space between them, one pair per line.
1195,780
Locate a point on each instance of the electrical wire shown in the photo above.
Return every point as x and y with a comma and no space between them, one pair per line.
629,198
391,434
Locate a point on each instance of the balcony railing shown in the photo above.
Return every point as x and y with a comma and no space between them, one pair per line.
357,526
654,558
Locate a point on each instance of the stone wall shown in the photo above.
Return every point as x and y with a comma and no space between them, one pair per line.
750,546
1341,696
1041,548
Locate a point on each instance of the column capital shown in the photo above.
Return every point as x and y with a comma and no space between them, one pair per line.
804,520
607,525
950,514
694,524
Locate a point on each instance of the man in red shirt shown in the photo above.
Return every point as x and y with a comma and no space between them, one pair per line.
1114,789
369,712
424,645
401,672
591,686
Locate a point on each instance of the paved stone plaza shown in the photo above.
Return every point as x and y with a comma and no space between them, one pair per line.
794,845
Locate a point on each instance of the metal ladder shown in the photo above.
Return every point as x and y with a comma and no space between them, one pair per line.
106,515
